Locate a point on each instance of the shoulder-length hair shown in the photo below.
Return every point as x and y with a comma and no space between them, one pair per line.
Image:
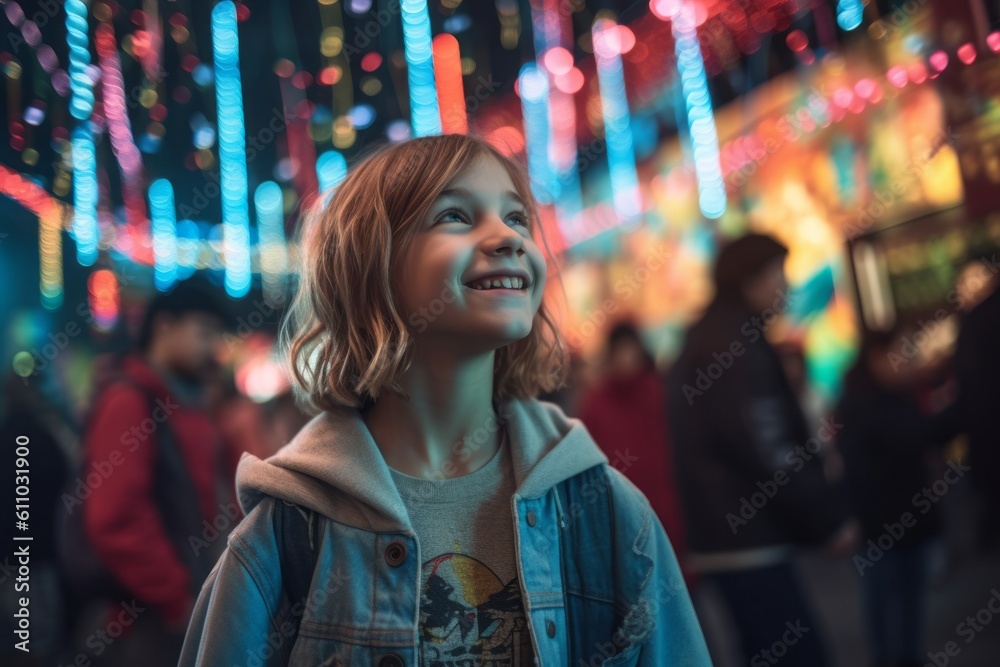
345,335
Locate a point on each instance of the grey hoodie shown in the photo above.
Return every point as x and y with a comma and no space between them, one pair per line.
596,571
334,467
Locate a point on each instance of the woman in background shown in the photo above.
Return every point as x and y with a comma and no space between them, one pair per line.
886,441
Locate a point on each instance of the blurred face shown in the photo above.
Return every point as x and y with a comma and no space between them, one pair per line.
768,285
627,358
886,365
473,272
191,342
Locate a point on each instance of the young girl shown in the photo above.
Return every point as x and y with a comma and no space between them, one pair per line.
434,512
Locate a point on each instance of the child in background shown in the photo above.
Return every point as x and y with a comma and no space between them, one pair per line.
443,514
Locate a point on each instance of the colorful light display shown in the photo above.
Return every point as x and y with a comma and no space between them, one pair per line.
103,299
568,98
82,99
50,224
850,13
425,116
533,85
698,103
617,131
331,168
232,149
273,254
448,75
44,53
85,194
116,110
161,205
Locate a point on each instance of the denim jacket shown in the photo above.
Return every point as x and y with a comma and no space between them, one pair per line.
599,579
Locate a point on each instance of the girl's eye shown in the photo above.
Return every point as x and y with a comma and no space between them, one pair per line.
519,218
452,215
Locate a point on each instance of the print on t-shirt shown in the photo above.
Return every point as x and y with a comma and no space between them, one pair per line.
469,617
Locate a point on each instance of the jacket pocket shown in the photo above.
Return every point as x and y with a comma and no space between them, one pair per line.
627,658
327,653
310,651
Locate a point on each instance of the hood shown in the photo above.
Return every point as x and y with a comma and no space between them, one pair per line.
138,370
333,466
625,387
159,383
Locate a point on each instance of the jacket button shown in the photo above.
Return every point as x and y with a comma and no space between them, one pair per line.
532,518
391,660
395,555
550,628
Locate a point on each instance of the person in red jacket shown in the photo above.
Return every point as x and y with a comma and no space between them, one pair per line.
625,412
159,513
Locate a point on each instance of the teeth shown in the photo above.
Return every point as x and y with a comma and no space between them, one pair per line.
507,282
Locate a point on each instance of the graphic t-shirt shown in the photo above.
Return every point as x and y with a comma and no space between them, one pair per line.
471,612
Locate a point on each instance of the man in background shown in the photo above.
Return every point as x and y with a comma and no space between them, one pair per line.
145,519
977,365
749,470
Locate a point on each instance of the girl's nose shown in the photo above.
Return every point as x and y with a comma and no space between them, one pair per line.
506,241
513,245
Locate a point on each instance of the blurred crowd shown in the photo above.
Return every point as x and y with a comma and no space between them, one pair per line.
136,528
741,461
746,467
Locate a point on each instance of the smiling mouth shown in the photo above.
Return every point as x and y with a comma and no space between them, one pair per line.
498,283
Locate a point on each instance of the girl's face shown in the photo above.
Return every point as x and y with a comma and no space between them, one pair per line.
472,272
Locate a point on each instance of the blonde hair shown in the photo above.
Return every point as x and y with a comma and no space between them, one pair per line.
345,335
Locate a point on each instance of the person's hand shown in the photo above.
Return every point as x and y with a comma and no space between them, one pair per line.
845,541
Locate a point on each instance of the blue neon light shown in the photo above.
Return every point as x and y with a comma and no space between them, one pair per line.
533,86
701,122
232,150
78,39
85,193
425,115
618,133
164,223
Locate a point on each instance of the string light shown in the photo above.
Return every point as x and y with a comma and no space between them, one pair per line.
85,194
849,13
116,110
424,114
161,206
82,88
50,218
232,150
967,53
553,32
448,76
103,299
701,121
272,248
617,128
331,168
50,259
31,34
533,86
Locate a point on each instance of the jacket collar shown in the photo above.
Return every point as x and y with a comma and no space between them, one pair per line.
334,467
